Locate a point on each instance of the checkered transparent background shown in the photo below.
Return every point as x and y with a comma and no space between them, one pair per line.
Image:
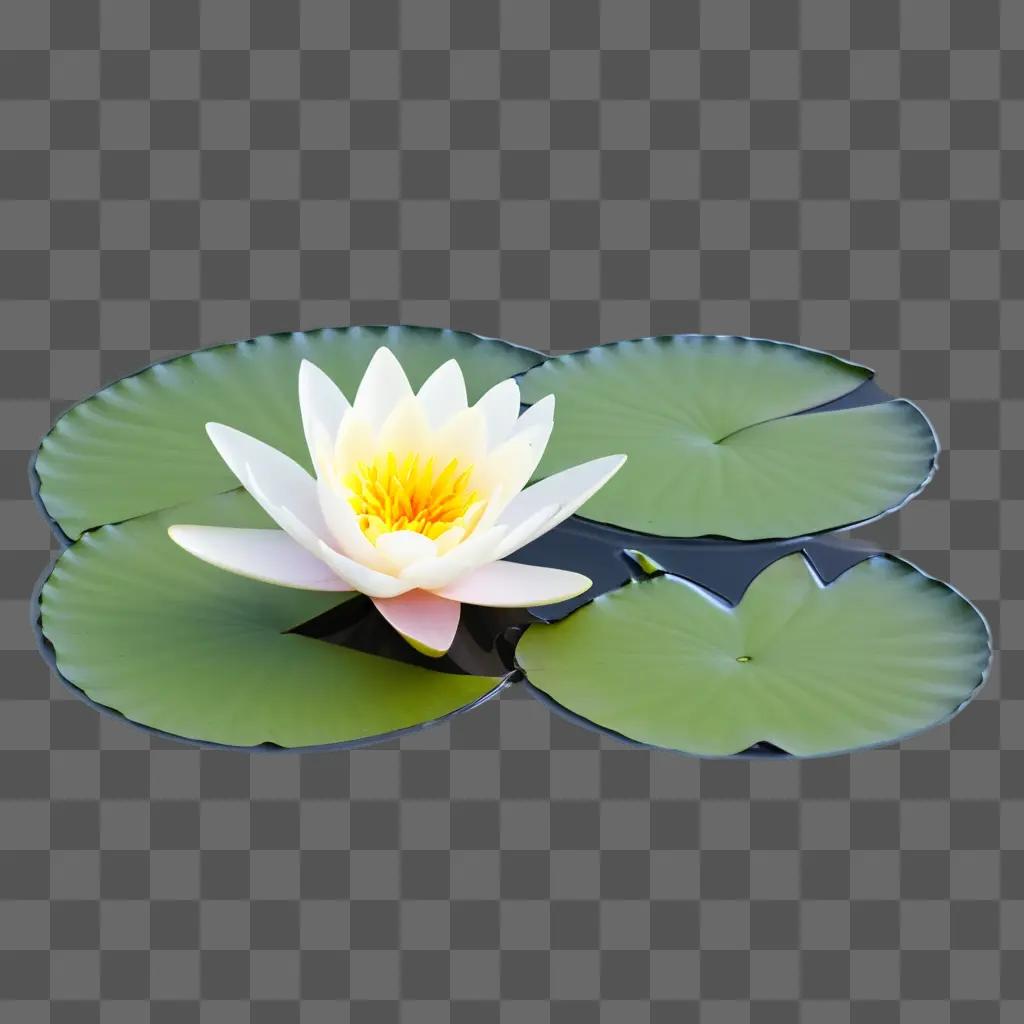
849,175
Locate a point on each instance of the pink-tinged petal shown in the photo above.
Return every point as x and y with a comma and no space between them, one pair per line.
383,386
512,585
273,479
323,406
267,555
500,406
443,394
568,490
426,621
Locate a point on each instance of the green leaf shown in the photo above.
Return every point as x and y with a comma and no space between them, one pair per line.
881,652
714,448
140,445
172,643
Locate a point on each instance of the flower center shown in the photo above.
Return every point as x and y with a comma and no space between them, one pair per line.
389,495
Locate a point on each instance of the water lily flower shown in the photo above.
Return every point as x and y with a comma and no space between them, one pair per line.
418,499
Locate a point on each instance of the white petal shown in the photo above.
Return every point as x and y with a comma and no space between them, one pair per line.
492,509
356,442
463,437
344,527
268,555
319,445
500,408
526,530
362,578
478,548
279,482
541,413
296,528
443,394
427,622
383,386
536,437
511,585
514,462
402,548
568,490
322,405
404,429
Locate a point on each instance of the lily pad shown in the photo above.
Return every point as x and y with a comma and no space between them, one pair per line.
143,628
714,443
882,652
139,444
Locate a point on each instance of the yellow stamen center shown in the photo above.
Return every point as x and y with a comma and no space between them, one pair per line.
389,495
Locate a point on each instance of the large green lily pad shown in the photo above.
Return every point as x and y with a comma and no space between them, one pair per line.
713,443
174,644
139,445
881,652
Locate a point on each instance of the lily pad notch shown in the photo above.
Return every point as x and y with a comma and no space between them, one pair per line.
881,653
733,437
